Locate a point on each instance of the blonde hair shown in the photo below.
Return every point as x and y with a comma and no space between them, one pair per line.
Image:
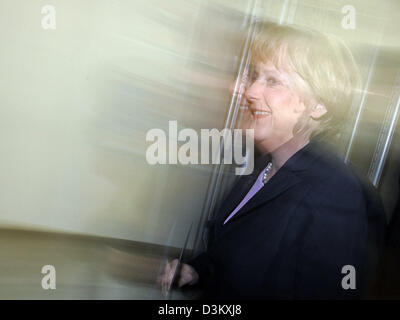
327,71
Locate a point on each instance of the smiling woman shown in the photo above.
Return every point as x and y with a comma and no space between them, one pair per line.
314,75
274,108
293,228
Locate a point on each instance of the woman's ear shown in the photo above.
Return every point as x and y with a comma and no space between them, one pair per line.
318,111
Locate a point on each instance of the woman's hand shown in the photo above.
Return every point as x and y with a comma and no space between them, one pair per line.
187,275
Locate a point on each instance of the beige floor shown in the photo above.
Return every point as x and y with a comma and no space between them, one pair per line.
86,267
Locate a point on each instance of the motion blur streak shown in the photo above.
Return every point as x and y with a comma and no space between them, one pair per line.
77,101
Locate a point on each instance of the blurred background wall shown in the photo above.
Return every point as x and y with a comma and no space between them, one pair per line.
76,104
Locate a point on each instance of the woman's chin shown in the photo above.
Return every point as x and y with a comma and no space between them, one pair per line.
260,139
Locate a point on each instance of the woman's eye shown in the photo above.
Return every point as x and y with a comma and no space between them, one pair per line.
272,81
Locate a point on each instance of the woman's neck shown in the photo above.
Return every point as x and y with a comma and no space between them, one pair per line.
283,153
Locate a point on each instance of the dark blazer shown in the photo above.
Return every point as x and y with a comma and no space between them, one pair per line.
292,239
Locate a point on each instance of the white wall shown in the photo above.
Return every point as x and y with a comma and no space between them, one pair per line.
76,103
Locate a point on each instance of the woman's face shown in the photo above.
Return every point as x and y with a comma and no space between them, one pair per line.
273,106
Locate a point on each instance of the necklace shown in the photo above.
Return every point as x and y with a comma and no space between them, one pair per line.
266,171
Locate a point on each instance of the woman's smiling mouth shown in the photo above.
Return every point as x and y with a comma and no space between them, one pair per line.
259,113
256,113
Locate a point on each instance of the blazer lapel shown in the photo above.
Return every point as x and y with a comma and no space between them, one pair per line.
279,183
239,191
284,179
237,194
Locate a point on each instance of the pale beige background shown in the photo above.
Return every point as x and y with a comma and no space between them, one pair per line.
76,103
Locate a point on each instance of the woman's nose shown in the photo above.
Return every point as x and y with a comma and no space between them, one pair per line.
251,92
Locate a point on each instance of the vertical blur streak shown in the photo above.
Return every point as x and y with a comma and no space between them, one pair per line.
215,183
284,9
166,251
363,99
372,66
386,135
